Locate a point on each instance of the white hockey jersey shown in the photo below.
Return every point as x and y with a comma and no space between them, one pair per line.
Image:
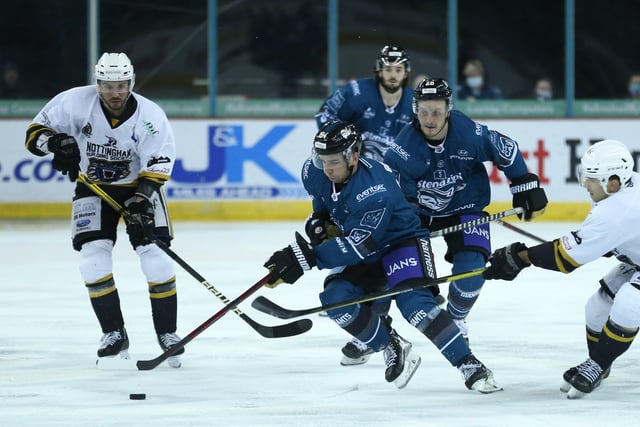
613,225
143,145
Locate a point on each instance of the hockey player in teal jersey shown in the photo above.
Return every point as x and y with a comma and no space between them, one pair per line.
439,160
378,232
379,106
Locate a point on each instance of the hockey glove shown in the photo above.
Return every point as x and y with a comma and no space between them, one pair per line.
66,154
319,228
141,223
505,263
528,194
290,263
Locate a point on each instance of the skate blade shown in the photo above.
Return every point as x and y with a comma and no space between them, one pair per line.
574,393
565,387
347,361
121,360
410,367
486,386
174,362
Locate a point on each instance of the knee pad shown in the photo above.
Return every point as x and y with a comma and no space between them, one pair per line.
336,291
616,277
96,260
596,310
156,265
625,310
339,290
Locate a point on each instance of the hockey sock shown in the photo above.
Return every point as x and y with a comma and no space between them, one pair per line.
106,304
445,335
464,293
368,328
592,340
164,306
614,340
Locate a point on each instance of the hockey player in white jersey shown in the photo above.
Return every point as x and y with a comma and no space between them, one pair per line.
123,142
612,313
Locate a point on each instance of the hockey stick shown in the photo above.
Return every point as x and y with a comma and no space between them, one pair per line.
278,331
267,306
521,231
478,221
147,365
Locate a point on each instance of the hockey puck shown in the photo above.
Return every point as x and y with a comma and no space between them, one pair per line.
137,396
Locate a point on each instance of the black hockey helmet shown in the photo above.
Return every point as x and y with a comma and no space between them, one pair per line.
392,55
432,89
336,136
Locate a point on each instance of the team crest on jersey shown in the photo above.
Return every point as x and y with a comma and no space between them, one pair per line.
87,130
372,218
357,236
507,149
104,171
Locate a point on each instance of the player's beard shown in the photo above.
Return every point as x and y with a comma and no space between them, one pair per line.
391,87
116,104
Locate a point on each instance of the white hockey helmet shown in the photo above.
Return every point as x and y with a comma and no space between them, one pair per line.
605,159
115,67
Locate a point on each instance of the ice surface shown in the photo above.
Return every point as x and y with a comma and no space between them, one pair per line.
528,332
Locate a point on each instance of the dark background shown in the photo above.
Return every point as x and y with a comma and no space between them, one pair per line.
269,49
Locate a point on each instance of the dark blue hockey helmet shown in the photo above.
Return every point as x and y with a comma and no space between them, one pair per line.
392,55
432,89
336,136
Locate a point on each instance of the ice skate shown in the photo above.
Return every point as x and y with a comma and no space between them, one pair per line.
583,379
355,352
401,363
114,343
167,341
477,376
569,373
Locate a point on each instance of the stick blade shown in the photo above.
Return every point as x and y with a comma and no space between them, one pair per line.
279,331
265,305
147,365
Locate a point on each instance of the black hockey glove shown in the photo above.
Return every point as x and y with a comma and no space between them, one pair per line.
141,225
319,228
290,263
66,154
505,264
528,194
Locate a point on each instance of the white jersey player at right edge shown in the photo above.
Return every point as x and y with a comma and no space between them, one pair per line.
612,313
